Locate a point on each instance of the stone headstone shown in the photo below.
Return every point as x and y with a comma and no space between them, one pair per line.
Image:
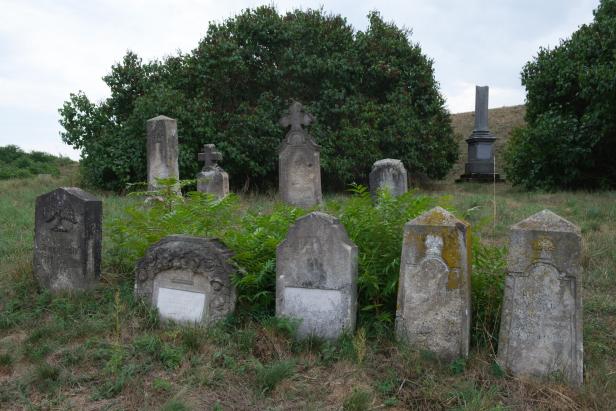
162,150
389,174
480,165
188,279
434,303
67,239
316,277
212,179
299,164
541,322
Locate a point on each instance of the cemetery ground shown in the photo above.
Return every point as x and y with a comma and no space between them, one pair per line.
104,350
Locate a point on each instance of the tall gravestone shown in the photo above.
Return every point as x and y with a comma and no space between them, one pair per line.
188,279
299,164
162,149
434,303
212,179
316,277
480,165
541,322
67,239
391,174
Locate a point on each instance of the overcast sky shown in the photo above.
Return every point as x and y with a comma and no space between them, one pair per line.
49,49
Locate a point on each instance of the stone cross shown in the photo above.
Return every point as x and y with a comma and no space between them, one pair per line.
541,322
210,156
297,117
481,108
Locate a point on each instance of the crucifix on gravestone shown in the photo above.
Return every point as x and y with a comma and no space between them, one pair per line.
296,118
212,179
210,156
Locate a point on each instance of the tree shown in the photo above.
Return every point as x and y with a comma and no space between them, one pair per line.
373,94
570,135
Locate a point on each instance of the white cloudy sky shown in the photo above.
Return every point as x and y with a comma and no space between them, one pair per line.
49,49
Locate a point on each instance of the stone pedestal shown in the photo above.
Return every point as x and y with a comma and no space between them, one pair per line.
299,164
162,150
188,279
212,179
67,239
541,322
316,277
434,302
388,174
480,165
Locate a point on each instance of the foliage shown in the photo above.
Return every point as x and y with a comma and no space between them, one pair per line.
15,163
373,93
571,100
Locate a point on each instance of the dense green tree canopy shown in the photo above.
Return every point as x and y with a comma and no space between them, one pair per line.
373,93
570,138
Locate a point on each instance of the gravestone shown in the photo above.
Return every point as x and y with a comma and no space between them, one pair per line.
212,179
541,322
480,165
390,174
67,239
434,288
316,277
188,279
162,150
299,164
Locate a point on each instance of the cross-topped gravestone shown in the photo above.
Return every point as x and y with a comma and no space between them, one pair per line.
210,156
299,164
212,179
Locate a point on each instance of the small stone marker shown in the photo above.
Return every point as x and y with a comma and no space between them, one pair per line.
316,277
188,279
212,179
299,164
67,239
162,150
541,323
434,289
390,174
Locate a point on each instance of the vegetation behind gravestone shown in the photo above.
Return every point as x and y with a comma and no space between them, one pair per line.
253,237
570,136
16,163
372,92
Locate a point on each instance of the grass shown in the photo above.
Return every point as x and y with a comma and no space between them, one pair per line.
104,350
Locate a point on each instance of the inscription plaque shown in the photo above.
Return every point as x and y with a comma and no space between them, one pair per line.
320,310
180,305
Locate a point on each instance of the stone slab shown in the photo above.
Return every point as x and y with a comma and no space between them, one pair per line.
162,150
390,174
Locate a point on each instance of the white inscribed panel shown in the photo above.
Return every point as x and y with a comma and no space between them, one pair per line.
180,305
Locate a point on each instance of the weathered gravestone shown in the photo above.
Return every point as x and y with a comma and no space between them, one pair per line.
316,277
212,179
541,322
187,278
162,150
389,174
67,239
434,308
299,164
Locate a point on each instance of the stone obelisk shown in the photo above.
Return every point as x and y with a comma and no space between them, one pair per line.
480,165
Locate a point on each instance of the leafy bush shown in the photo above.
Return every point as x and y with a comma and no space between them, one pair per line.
373,93
571,100
15,163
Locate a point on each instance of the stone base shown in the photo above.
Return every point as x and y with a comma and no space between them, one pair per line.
480,178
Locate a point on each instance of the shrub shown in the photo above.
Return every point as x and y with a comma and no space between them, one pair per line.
373,93
571,100
15,163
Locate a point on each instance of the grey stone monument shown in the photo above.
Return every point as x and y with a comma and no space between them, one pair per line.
188,279
434,302
388,173
212,179
480,165
541,322
299,164
67,239
316,277
162,150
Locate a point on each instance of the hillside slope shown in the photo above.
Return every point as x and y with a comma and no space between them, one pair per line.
501,122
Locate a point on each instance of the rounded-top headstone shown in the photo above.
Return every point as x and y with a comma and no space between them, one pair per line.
388,174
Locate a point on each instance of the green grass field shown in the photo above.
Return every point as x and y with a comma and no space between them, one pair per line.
104,350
